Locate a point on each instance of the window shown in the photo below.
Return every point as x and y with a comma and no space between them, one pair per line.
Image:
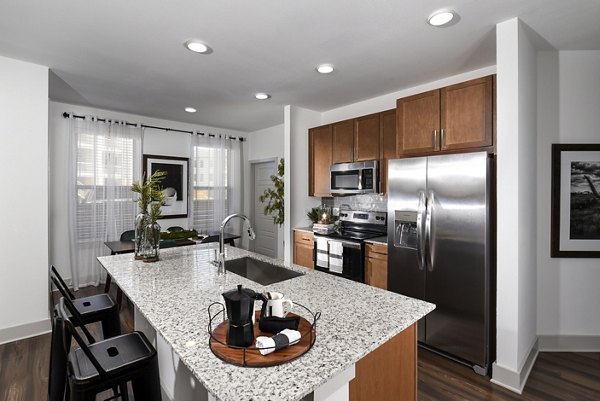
210,185
105,172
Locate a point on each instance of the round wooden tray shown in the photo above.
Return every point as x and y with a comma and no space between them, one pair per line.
251,357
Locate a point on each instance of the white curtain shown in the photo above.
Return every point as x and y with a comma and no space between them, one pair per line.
105,158
216,181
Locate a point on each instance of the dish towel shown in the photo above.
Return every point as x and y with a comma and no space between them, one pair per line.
280,340
336,261
322,252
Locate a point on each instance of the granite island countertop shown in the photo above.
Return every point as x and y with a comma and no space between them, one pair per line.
173,295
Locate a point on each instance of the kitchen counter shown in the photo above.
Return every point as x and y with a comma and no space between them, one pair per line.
173,295
305,229
378,240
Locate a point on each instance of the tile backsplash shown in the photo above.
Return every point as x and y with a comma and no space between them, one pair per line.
371,202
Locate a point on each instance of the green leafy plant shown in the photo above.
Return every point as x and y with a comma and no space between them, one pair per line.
274,197
151,194
178,234
314,214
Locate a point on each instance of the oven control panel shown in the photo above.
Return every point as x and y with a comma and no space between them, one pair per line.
355,216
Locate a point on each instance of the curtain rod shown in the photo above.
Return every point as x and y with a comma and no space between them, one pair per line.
241,139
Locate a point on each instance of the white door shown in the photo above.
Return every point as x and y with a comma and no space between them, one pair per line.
266,231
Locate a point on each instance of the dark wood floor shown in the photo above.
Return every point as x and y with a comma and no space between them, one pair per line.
555,376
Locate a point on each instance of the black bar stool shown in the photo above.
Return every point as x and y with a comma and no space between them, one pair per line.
104,365
92,309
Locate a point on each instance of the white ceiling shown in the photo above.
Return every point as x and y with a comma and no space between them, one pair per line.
129,55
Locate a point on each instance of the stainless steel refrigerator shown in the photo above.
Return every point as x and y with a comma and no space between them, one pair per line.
439,250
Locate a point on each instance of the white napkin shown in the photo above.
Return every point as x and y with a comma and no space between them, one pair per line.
335,256
266,345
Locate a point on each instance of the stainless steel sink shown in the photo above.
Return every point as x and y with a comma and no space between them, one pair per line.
258,271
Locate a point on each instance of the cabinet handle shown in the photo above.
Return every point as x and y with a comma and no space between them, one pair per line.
443,145
435,143
306,239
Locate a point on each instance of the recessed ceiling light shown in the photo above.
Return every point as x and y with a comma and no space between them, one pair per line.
440,17
197,47
325,69
190,110
262,96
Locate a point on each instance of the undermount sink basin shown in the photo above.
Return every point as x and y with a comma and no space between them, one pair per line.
263,273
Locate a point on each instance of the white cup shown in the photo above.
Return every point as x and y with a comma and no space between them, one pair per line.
277,305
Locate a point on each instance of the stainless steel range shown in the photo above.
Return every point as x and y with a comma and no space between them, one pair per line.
342,252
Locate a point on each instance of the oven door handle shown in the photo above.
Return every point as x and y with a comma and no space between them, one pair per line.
353,245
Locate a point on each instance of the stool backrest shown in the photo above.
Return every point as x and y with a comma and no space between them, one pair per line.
60,283
69,321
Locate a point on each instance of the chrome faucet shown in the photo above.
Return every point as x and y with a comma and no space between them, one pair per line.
251,234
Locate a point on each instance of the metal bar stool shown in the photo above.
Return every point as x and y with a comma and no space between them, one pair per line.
99,366
92,309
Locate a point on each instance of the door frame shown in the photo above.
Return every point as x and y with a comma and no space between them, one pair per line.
251,216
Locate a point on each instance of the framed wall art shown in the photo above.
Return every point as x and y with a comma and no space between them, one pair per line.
175,184
575,209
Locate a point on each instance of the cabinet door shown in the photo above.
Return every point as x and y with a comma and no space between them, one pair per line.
387,146
303,255
343,141
319,160
466,114
303,248
376,265
366,138
418,123
378,273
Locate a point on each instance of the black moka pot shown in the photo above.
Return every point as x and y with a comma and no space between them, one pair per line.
240,308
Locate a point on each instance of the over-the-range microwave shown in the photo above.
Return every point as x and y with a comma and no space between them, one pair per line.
353,178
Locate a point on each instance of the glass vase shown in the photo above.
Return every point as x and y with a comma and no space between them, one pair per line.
152,242
141,220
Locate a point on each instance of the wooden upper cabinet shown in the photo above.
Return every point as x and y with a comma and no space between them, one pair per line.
343,142
418,123
387,146
320,151
453,118
466,114
366,138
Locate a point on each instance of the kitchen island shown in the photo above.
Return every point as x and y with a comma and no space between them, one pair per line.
171,298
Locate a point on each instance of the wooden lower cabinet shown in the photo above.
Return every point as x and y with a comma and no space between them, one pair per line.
376,265
389,373
303,248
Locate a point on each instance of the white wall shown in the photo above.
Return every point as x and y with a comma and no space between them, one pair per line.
24,200
297,121
516,199
264,144
568,295
157,142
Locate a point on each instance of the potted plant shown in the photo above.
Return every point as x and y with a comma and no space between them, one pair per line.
274,197
150,194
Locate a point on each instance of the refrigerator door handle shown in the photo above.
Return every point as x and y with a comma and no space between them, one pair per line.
428,219
420,237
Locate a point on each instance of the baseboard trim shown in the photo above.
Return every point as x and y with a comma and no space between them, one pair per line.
569,343
515,380
26,330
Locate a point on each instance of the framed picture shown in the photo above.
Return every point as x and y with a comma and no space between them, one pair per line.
575,224
174,185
